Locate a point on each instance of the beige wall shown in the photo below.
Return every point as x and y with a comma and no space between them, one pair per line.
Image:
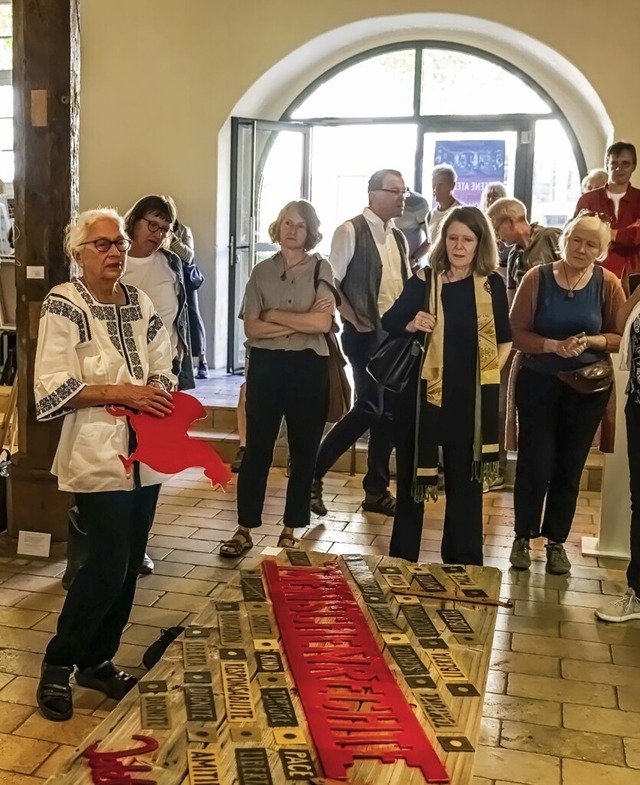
160,79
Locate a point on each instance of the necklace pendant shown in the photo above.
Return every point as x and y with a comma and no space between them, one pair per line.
570,294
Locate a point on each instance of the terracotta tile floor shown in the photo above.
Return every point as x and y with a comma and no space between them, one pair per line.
563,700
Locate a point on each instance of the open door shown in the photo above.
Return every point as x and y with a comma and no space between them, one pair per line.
270,167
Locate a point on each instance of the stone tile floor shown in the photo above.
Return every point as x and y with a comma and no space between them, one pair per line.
563,701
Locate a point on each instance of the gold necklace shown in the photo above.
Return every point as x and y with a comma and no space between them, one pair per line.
570,293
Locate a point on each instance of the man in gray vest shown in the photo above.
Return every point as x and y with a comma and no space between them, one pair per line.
369,257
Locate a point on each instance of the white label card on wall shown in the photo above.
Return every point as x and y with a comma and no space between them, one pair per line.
34,544
35,271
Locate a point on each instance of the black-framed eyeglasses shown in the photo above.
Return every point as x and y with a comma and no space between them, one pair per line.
404,192
103,244
585,213
156,228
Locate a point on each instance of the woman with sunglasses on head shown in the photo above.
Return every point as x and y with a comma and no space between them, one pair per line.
100,342
564,324
158,271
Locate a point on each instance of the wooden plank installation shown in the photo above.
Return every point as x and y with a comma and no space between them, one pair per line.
311,668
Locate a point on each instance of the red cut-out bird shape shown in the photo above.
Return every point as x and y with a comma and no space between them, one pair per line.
164,444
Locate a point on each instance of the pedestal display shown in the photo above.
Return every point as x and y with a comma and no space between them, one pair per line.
311,668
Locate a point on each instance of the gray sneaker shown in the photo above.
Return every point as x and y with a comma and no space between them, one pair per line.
623,608
557,560
520,554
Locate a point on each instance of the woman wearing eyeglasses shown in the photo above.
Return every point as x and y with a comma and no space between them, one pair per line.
564,323
99,342
158,271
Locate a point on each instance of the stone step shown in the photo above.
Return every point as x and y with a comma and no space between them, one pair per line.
219,428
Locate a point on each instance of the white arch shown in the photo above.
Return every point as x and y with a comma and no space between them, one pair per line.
275,90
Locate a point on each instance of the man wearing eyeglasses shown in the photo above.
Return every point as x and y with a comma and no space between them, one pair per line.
369,257
620,201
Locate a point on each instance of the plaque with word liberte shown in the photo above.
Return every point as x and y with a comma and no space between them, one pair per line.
311,668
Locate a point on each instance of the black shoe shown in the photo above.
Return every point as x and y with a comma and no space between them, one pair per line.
146,568
235,463
203,370
54,692
385,504
153,654
77,548
108,679
317,505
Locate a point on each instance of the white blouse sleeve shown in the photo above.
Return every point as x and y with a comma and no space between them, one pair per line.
57,374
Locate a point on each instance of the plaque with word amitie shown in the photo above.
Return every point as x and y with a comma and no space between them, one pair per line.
311,668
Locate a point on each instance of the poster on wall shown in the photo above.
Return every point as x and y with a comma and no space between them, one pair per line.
476,163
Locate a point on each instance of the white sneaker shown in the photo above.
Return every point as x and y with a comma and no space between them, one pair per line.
497,484
624,608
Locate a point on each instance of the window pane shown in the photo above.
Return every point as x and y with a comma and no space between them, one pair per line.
456,83
6,134
556,179
381,86
6,166
6,101
6,23
344,158
478,158
279,158
6,54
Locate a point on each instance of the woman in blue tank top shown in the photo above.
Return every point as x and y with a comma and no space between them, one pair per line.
563,320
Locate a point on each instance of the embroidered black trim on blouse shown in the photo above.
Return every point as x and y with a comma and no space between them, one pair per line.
155,325
118,322
165,381
52,405
61,306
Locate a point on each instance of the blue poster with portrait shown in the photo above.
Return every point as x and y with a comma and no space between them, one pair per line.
476,163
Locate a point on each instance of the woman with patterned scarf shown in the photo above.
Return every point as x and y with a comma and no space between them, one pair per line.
459,308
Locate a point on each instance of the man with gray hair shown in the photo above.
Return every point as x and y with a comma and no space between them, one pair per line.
369,257
443,183
532,244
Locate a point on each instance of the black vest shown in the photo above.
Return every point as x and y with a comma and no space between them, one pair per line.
361,284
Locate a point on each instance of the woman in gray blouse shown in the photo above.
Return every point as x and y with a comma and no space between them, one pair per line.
285,318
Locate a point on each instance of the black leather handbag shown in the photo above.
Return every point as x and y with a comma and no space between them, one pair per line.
396,358
394,361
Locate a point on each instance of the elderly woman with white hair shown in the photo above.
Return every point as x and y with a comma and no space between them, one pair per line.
100,342
564,321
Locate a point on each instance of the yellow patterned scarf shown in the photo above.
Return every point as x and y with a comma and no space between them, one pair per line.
485,442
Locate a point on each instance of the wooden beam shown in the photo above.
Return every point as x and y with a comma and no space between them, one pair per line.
46,73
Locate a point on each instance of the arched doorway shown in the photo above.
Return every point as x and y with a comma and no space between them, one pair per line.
408,106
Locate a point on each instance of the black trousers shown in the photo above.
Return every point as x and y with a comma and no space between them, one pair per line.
370,412
462,534
632,413
556,426
293,385
98,604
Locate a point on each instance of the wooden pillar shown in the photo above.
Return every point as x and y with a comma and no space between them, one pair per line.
46,73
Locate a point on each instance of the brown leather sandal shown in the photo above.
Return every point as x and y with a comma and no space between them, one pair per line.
288,541
236,546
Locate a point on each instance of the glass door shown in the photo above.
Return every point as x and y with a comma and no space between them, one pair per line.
270,167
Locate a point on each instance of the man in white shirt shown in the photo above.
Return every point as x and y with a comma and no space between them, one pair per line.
443,182
369,257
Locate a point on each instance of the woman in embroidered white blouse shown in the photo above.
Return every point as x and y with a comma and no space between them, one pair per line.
99,342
